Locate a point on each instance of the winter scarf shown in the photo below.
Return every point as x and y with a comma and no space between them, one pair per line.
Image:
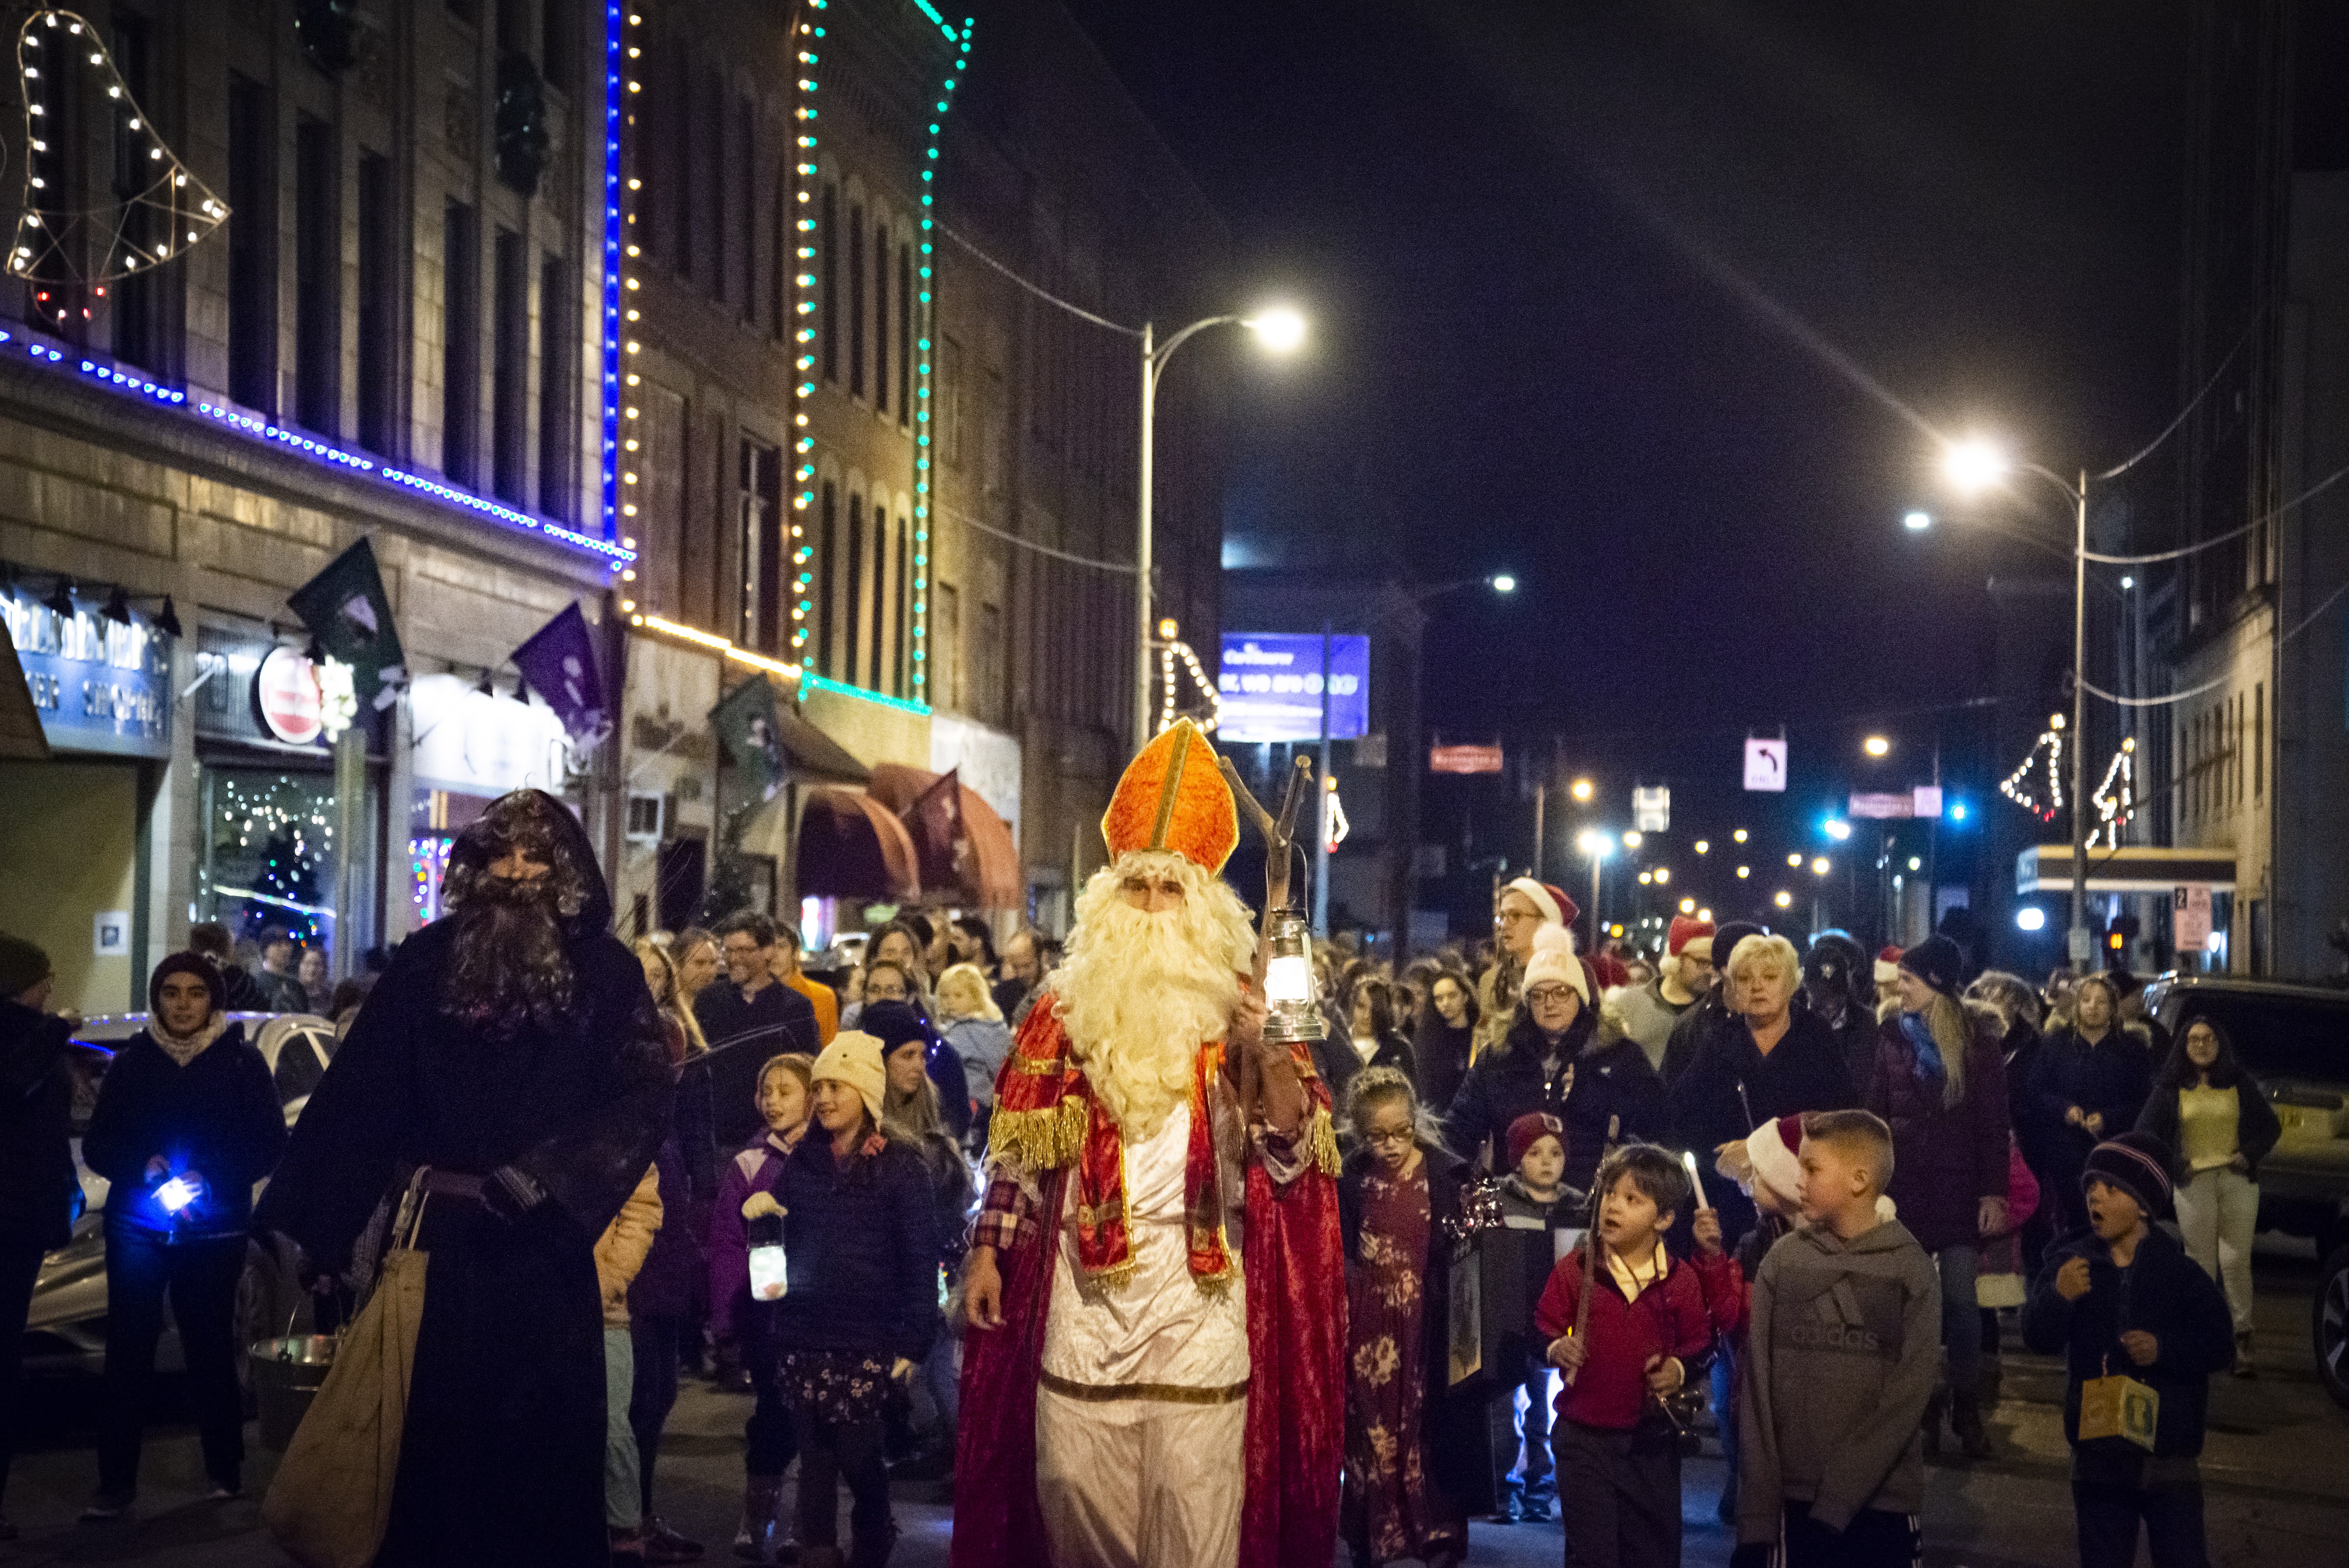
1930,1068
183,1049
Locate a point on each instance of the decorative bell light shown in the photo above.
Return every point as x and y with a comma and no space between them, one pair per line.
1293,1011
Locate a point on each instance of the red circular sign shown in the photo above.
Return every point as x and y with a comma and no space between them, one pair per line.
285,690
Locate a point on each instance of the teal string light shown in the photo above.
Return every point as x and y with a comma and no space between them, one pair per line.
923,376
804,183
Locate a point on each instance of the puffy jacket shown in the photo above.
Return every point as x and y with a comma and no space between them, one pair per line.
861,1247
38,1183
2162,1291
756,1167
2110,1078
1946,1159
1507,1080
218,1116
1616,1099
1730,1087
620,1250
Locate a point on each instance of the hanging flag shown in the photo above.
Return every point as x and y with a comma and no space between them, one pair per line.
933,820
745,724
559,663
346,608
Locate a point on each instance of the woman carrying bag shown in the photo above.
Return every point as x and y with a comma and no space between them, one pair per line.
186,1122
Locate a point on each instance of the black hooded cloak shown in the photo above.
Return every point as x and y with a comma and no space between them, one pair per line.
502,1459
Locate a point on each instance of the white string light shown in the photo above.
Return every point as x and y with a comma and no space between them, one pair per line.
2017,786
2115,806
48,239
1171,648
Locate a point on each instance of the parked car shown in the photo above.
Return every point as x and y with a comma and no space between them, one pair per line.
2294,1039
65,1331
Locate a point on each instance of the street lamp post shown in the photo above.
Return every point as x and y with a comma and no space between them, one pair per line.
1278,331
1973,465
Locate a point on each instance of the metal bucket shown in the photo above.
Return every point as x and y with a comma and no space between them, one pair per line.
285,1375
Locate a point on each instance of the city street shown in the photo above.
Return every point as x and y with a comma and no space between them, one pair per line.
2277,1488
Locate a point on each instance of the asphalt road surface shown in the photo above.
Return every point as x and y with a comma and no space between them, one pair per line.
2276,1474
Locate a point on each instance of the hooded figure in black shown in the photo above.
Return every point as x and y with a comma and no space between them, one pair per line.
512,1047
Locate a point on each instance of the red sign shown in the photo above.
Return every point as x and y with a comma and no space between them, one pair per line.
285,690
1464,759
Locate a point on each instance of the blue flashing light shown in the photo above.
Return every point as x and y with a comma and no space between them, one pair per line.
1957,810
1834,827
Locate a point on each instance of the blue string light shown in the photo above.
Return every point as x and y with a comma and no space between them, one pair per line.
923,383
608,490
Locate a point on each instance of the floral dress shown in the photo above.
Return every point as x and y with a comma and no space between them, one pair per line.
1392,1508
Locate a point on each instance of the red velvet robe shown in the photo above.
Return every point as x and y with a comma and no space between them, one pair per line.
1293,1257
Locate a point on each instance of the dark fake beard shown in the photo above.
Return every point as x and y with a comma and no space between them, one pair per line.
509,968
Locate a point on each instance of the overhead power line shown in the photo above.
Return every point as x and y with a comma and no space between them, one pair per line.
2191,403
2305,622
1046,295
2325,483
966,520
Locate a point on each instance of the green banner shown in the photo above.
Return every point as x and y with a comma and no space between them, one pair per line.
746,726
346,608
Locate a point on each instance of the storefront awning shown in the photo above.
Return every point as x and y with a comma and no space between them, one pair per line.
2131,869
971,840
21,738
853,847
813,755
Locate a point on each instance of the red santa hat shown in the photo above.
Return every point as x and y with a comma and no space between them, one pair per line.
1549,901
1686,929
1553,962
1888,966
1773,1158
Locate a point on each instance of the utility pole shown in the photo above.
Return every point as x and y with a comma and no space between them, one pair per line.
2081,944
1322,807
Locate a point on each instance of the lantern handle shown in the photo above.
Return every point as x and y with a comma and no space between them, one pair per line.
1279,834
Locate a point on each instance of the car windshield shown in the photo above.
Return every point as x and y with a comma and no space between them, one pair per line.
2302,1039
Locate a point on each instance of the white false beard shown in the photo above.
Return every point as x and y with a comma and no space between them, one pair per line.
1139,995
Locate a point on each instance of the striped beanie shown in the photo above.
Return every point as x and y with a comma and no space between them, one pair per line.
2139,1164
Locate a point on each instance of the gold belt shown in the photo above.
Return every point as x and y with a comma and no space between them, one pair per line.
1168,1393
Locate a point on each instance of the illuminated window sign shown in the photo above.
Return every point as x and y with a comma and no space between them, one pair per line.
1272,688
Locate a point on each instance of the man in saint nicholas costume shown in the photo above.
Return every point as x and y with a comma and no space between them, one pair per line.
1155,1295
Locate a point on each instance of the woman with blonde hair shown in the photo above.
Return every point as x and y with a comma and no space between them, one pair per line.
973,1024
1939,1082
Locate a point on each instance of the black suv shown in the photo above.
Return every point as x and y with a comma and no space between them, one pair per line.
2294,1038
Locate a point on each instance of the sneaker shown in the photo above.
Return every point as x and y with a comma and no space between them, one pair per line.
1536,1510
108,1506
663,1545
227,1491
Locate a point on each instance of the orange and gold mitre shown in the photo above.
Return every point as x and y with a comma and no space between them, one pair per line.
1174,796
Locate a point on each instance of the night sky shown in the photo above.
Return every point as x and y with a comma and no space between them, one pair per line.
1626,296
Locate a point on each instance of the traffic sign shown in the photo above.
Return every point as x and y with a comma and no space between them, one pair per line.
1766,763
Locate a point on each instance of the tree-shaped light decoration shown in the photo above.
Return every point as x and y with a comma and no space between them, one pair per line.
2116,798
159,208
1171,648
2021,788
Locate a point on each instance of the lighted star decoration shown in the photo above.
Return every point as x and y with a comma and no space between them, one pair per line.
2022,787
2116,798
166,209
1170,649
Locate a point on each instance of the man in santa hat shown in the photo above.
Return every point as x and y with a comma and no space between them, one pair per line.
1525,908
1152,1374
1686,974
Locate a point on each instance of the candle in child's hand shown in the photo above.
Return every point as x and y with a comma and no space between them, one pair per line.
1695,1185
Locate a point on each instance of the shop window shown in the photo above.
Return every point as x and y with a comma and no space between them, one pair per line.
269,854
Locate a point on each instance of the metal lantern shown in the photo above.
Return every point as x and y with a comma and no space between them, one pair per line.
1293,1011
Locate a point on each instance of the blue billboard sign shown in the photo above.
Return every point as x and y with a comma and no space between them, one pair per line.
99,685
1272,689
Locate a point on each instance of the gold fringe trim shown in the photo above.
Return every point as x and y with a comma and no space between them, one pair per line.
1321,1139
1048,1140
1112,1277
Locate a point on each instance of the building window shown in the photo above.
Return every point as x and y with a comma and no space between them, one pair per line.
317,284
853,622
510,375
906,335
987,701
139,300
901,645
253,245
556,42
827,234
379,333
2260,740
827,577
558,391
855,300
778,280
761,479
460,331
466,11
943,646
746,207
880,319
712,124
514,26
946,392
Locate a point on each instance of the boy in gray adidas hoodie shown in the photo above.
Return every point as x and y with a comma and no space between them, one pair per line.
1843,1348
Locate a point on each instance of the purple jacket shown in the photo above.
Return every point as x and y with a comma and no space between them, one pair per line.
757,1166
1945,1161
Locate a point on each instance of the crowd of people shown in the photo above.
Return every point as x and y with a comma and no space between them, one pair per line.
1659,1167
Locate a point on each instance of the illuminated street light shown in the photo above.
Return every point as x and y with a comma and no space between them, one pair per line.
1582,790
1633,839
1740,835
1838,829
1784,899
1504,584
1744,872
1973,465
1646,878
2030,917
1687,906
1795,859
1916,522
1915,864
1705,915
1876,746
1703,847
1279,329
1596,842
1664,873
1822,866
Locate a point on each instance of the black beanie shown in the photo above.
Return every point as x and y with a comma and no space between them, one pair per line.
894,1023
187,963
1724,943
22,966
1938,962
2139,1164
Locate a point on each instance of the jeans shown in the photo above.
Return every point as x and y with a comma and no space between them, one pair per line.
1524,1470
1724,1376
623,1504
1960,1317
829,1455
202,1278
2108,1517
654,1392
20,1265
2219,1213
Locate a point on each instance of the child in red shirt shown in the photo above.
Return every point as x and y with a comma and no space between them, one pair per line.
1631,1328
